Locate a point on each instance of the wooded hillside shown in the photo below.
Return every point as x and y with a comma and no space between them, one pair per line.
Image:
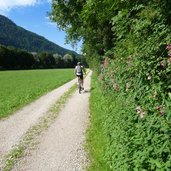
18,37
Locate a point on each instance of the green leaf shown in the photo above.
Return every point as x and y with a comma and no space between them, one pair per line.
156,162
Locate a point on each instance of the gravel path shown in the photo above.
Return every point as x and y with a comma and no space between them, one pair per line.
61,147
14,127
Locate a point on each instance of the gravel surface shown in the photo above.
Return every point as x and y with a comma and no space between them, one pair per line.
14,127
61,147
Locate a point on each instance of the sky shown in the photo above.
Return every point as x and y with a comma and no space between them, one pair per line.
33,16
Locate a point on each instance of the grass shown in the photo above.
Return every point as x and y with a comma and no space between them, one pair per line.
30,139
18,88
96,138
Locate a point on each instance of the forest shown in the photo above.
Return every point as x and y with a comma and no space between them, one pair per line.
12,58
128,45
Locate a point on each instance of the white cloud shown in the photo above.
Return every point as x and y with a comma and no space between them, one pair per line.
6,5
50,23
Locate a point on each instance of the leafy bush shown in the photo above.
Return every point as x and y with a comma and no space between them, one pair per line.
136,81
128,44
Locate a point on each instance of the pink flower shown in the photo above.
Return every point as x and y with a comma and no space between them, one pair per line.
115,86
168,47
142,114
163,63
106,62
169,54
140,111
160,109
128,85
162,112
101,78
155,95
130,61
169,60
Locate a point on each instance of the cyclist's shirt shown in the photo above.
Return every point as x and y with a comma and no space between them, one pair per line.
79,71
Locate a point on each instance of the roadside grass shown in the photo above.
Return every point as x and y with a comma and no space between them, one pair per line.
96,138
30,139
18,88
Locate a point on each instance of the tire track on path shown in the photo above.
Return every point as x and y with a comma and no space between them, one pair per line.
15,126
61,147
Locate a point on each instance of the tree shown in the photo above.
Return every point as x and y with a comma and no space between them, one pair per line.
86,20
58,60
68,60
47,60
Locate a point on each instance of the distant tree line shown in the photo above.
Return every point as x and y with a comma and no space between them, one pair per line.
12,58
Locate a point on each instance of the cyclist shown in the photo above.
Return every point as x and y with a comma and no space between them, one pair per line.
79,69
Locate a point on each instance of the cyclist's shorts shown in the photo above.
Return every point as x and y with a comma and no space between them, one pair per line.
81,76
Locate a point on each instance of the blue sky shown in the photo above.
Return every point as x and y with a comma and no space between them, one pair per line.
32,15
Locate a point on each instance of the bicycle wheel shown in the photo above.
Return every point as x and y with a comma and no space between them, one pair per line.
79,89
79,86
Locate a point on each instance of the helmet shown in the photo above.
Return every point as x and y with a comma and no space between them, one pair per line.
78,63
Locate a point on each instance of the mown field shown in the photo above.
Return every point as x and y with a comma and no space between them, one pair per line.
18,88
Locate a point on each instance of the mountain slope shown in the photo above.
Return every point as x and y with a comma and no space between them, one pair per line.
13,35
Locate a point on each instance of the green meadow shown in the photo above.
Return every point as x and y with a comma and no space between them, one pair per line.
18,88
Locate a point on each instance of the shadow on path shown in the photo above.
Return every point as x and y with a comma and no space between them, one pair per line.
88,90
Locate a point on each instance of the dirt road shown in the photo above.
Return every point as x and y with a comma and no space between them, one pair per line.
61,146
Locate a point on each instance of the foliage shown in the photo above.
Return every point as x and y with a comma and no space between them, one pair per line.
11,58
18,88
128,43
86,20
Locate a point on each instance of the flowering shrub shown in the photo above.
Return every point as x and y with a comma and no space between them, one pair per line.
136,82
139,110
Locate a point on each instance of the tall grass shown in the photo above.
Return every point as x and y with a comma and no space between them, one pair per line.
18,88
96,137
